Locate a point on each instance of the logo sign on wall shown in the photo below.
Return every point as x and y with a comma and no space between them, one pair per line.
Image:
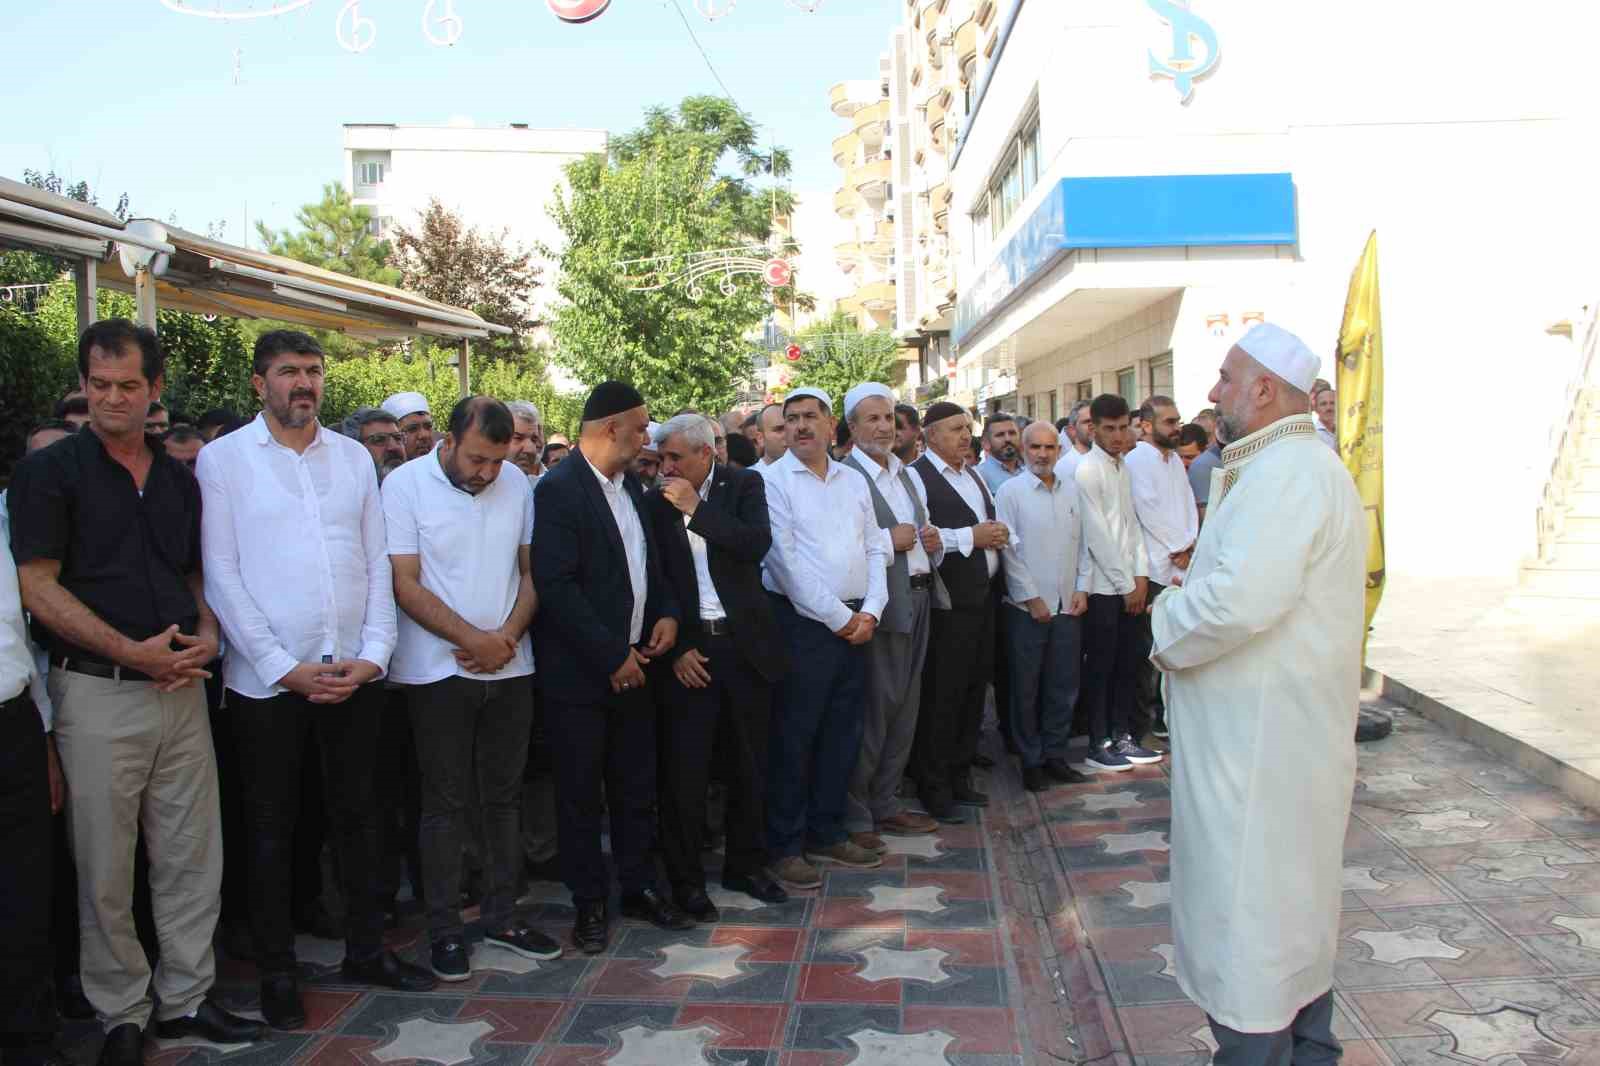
1183,65
578,10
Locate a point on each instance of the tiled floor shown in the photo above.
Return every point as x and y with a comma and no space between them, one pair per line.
1471,924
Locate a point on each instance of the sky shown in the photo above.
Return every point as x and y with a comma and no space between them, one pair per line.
133,97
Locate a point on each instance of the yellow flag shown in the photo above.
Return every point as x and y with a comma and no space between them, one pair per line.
1360,388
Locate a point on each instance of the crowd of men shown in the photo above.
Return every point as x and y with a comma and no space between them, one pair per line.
494,648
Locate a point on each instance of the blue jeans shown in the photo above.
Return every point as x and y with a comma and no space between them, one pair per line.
1045,661
815,737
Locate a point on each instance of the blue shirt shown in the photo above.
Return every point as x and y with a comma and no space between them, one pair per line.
995,474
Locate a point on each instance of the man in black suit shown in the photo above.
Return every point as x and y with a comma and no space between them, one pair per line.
596,568
711,523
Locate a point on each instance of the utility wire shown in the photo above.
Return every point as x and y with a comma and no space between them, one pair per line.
678,7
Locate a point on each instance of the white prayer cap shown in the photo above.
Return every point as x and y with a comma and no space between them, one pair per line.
815,393
1282,353
861,392
654,429
402,404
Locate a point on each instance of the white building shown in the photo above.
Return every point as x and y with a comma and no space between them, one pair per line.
499,178
1115,226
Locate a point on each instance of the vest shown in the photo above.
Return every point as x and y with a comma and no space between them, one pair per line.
965,577
899,615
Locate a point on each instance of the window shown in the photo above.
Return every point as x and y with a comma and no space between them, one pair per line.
1014,179
369,173
980,230
1085,390
1128,385
1161,375
1028,407
1055,412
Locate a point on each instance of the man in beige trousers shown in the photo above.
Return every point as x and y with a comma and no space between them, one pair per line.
105,528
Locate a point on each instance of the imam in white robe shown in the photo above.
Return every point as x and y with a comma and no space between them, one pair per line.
1261,648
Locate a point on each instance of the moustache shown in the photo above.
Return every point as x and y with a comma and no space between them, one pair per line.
302,394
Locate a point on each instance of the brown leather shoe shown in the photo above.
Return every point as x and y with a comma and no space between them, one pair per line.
845,853
869,842
795,871
907,823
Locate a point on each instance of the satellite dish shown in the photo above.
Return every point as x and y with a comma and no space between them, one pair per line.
131,257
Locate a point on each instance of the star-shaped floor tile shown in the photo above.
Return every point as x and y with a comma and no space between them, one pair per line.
897,1049
891,964
1166,951
494,957
1588,929
888,898
924,846
446,1043
1518,866
1361,879
1110,801
1147,894
1454,818
1391,781
1414,942
1122,843
1496,1035
728,900
643,1046
686,960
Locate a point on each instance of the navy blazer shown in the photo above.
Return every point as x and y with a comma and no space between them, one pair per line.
581,573
733,520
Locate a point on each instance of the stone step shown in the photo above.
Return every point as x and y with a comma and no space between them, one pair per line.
1577,523
1567,582
1574,554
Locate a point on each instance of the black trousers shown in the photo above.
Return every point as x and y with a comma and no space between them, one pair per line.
1147,707
399,790
1110,667
727,721
470,730
272,735
955,675
27,1002
610,745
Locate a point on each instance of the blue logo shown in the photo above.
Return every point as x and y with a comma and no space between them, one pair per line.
1187,29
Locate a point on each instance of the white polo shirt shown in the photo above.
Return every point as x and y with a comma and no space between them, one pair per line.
468,549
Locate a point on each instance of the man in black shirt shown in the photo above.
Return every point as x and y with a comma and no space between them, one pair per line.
105,528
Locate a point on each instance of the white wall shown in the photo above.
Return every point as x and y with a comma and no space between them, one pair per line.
1461,135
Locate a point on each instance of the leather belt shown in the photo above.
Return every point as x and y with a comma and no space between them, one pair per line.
97,668
921,582
854,605
716,627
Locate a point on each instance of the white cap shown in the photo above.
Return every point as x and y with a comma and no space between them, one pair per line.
812,391
1282,353
654,430
862,391
402,404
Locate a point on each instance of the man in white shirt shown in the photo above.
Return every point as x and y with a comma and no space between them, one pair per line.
961,643
774,436
297,573
1047,580
826,570
1076,440
896,653
527,440
1118,584
410,411
1163,502
459,528
376,430
1325,405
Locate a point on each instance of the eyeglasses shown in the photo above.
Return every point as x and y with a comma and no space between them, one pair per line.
378,440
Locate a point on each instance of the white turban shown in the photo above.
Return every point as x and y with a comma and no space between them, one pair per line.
861,392
402,404
1282,353
815,393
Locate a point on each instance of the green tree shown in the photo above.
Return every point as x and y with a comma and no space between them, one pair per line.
334,234
665,191
835,356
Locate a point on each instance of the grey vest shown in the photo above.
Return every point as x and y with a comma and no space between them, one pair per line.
899,615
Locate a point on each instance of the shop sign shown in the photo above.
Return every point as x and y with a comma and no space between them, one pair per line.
1188,30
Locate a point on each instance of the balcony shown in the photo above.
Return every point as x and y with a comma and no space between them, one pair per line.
848,255
871,179
848,97
877,296
846,149
869,123
967,50
930,10
845,203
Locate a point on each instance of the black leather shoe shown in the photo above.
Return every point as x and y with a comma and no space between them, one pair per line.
387,970
757,885
967,796
592,928
213,1024
281,1005
697,905
1034,779
1060,771
71,1001
650,906
124,1046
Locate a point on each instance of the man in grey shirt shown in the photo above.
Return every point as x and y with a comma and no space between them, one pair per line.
1200,474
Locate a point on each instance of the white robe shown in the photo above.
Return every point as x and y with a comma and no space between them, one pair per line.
1262,652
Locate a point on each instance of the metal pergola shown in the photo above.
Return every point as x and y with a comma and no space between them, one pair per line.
165,266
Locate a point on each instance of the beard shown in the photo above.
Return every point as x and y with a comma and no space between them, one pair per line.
290,416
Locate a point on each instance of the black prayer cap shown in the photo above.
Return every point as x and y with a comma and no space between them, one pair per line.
611,398
942,410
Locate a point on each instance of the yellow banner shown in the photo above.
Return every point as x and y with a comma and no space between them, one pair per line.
1360,388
